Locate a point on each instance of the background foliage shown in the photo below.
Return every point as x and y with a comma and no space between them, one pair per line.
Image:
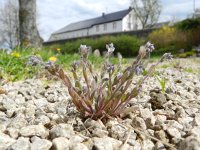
125,44
183,35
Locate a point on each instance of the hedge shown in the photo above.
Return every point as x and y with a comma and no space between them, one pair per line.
184,35
127,45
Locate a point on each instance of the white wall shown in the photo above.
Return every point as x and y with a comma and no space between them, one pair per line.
132,20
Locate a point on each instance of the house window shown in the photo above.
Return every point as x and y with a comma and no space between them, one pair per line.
114,25
87,31
129,25
105,27
97,28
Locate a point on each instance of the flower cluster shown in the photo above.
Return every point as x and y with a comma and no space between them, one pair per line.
15,54
149,47
84,51
37,60
58,49
34,61
110,47
52,59
167,57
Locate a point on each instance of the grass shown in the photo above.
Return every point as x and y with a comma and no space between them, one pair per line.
190,70
13,65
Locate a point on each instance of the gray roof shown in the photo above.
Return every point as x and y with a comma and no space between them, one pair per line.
91,22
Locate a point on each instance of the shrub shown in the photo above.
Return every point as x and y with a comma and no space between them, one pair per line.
186,54
173,39
188,24
163,37
104,94
125,44
161,51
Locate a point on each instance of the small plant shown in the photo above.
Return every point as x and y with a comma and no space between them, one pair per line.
107,93
162,82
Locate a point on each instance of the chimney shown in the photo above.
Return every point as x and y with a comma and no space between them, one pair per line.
103,14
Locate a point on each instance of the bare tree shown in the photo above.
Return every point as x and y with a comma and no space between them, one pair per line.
196,13
147,11
29,34
9,28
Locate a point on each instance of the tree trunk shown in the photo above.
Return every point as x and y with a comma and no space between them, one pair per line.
29,35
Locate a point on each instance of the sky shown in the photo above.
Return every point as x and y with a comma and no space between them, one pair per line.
55,14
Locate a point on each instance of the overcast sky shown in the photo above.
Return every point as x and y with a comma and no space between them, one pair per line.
55,14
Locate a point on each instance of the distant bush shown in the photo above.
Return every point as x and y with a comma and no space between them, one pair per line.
125,44
168,49
163,37
190,28
183,35
186,54
188,24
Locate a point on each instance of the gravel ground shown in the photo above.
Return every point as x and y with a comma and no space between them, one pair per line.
38,115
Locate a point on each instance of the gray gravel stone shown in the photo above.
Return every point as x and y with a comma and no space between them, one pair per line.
41,103
173,132
30,111
117,131
159,146
62,130
21,144
157,100
139,123
149,120
13,132
40,144
78,146
61,143
18,122
161,135
51,98
9,104
5,141
195,131
174,124
77,139
61,107
190,143
102,144
99,132
160,119
135,145
111,123
196,120
106,143
34,130
42,120
92,124
147,145
3,123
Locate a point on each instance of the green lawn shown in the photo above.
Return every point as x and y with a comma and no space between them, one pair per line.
13,66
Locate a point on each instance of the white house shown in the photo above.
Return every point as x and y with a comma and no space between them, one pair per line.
120,21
